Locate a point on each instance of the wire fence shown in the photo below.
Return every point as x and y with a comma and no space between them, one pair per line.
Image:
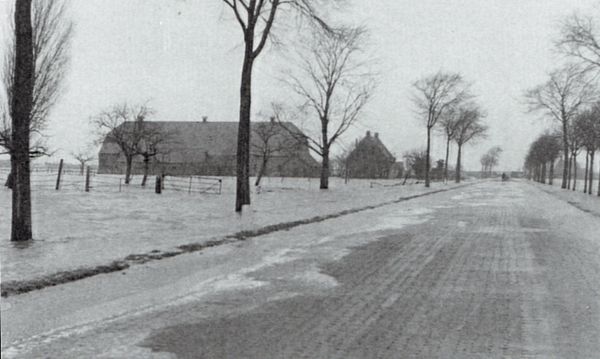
44,179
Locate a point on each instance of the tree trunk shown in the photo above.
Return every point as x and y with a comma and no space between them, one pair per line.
543,179
569,165
325,170
261,172
458,163
81,167
427,157
551,174
574,172
591,180
446,162
587,165
565,155
128,165
242,195
146,169
22,103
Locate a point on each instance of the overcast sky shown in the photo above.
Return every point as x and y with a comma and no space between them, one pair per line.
185,57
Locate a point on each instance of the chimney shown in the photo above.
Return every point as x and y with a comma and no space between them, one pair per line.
204,118
368,133
376,134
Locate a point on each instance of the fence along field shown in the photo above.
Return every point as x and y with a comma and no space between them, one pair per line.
45,178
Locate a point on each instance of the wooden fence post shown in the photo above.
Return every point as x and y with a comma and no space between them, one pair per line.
60,166
190,187
158,185
87,179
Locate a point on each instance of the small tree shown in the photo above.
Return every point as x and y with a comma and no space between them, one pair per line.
335,84
270,142
154,142
83,156
415,163
435,95
468,128
124,126
490,159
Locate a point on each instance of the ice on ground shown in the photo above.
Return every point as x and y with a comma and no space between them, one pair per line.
73,228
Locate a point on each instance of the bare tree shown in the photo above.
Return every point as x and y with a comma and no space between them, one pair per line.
449,122
489,160
20,110
415,163
543,152
155,141
124,126
468,128
52,34
83,156
561,97
256,19
269,143
580,39
335,84
434,95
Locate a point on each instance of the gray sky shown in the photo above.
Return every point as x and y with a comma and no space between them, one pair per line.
185,57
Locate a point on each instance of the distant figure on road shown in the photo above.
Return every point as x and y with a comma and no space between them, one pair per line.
504,177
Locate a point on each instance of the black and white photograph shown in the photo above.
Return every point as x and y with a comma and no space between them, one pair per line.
315,179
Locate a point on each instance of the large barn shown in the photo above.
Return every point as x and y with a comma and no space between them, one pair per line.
209,149
371,159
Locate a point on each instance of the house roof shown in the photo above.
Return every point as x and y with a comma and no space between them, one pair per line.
370,141
188,140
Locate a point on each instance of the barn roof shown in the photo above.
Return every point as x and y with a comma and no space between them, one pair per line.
188,140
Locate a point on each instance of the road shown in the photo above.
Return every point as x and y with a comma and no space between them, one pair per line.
492,270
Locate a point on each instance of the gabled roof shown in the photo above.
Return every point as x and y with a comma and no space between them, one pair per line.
373,141
189,140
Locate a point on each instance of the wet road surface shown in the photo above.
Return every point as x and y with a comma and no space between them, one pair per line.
491,270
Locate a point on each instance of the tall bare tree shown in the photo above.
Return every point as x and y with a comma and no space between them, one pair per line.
566,92
449,122
256,19
52,32
124,126
433,96
587,131
468,128
20,111
335,83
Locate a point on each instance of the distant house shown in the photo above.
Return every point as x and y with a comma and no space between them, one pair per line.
209,148
370,159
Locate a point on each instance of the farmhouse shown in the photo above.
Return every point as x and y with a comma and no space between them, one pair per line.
209,149
371,159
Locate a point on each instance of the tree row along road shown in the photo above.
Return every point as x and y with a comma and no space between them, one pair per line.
491,270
